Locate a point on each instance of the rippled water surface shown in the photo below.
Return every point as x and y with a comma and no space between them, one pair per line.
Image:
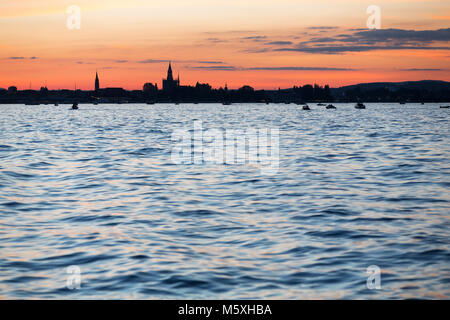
96,188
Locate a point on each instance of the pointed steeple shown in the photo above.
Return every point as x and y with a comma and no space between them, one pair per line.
97,81
169,72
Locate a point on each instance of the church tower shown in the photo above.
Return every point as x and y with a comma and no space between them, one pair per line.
169,73
170,85
97,82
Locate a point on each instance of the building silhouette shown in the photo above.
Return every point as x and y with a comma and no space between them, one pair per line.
97,82
170,85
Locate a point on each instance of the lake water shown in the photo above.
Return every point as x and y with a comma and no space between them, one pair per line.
96,188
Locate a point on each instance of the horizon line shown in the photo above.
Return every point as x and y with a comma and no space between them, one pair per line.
236,88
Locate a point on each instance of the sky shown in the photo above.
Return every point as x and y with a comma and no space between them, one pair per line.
263,43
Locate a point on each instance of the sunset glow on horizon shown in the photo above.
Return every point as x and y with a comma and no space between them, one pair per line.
266,44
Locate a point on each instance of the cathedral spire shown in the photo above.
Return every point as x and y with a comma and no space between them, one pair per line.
169,72
97,82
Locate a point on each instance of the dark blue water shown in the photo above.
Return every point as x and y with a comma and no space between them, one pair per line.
96,188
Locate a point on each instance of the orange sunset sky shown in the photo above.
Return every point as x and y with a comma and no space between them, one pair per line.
263,43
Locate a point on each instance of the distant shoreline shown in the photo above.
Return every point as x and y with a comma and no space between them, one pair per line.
383,92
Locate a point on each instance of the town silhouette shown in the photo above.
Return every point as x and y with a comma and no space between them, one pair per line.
173,91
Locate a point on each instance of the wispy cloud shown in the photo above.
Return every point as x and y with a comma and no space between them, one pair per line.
153,61
280,43
370,40
254,38
214,68
323,28
216,40
356,48
423,69
22,58
286,68
208,62
299,69
181,61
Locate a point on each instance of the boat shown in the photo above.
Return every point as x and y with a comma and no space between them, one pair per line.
444,107
226,103
306,107
330,106
360,105
402,102
321,104
56,104
75,106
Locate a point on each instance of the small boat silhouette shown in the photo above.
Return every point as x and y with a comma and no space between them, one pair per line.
321,104
226,103
360,105
444,107
330,106
306,107
75,106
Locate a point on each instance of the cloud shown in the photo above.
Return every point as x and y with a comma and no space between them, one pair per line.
181,61
208,62
255,38
288,68
299,69
323,28
153,61
214,68
216,40
384,35
370,40
422,69
121,61
280,43
356,48
22,58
